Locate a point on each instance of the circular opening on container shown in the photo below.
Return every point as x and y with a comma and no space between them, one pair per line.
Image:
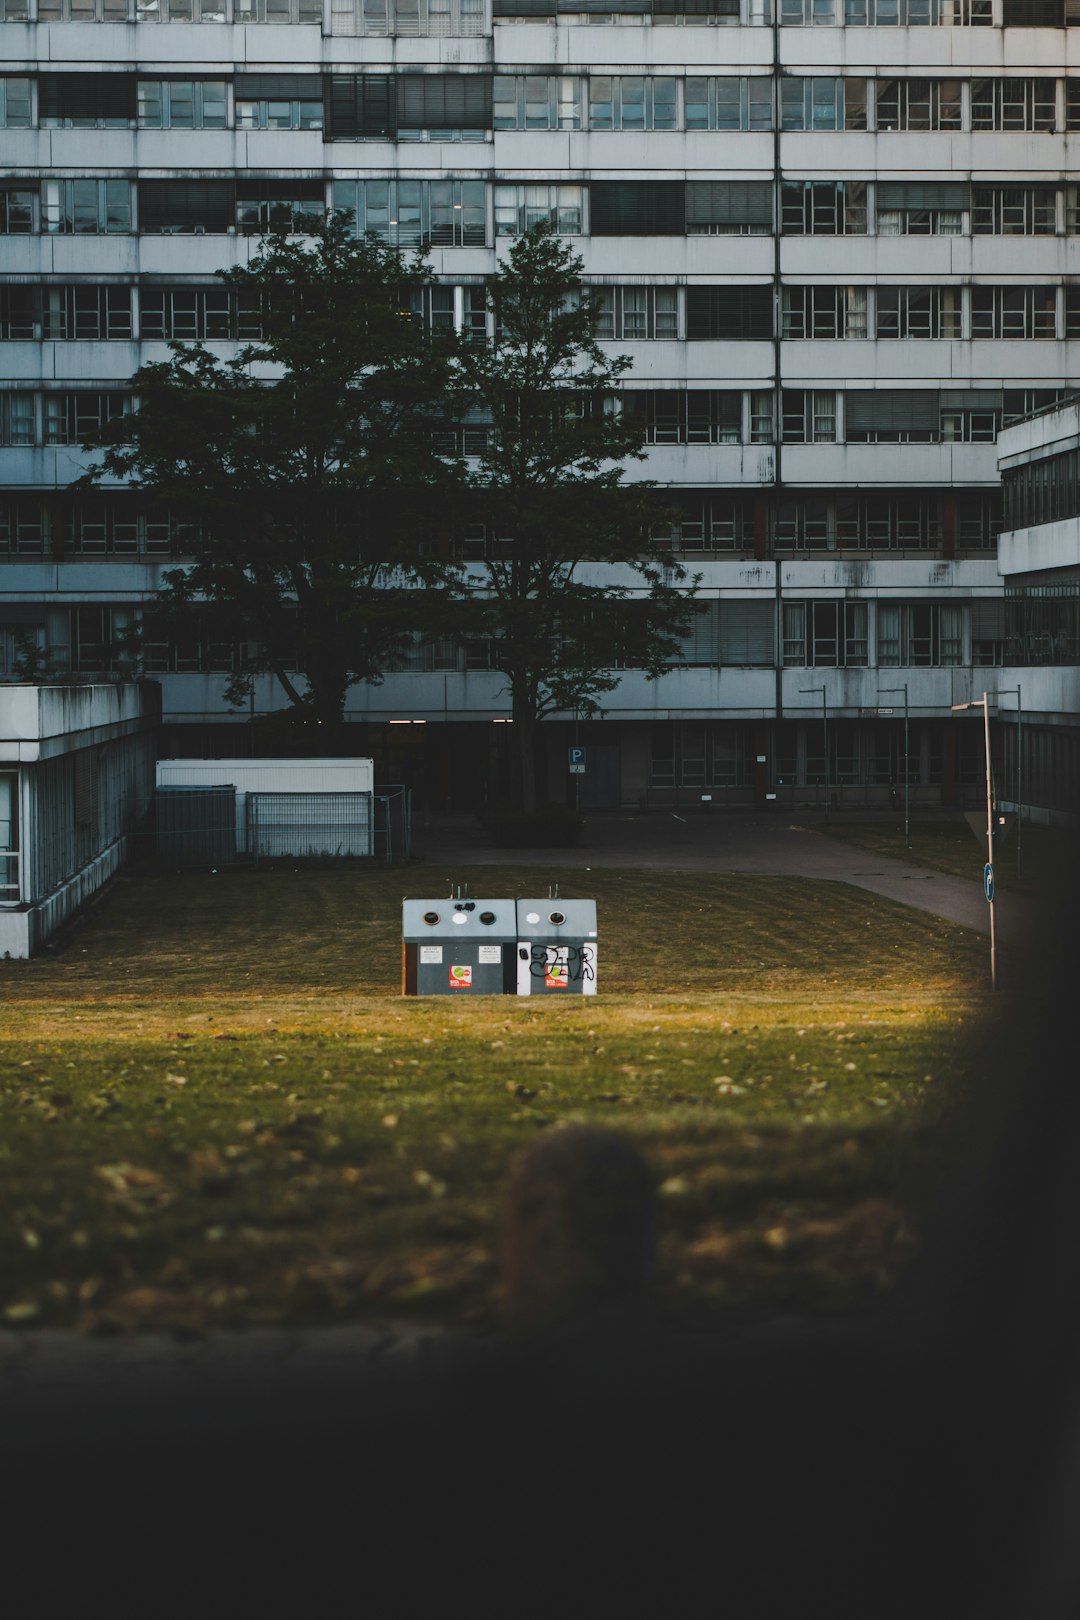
431,918
532,916
558,918
487,917
459,917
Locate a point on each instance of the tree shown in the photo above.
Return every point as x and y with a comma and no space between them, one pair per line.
564,526
305,465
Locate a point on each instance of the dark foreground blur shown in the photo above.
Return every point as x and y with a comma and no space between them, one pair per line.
925,1463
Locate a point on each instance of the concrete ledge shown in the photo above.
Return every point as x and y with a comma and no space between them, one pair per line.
24,932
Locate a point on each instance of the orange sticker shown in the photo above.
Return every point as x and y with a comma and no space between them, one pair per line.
461,978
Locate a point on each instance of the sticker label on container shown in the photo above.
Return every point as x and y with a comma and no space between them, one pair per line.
431,953
491,953
461,977
557,968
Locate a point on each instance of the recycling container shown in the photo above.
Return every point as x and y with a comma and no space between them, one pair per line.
460,947
556,947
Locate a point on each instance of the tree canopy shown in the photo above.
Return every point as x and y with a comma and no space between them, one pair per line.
572,585
305,465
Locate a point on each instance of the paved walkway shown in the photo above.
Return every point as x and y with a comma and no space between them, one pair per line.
786,844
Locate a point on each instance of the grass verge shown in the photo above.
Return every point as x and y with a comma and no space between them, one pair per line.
949,845
217,1110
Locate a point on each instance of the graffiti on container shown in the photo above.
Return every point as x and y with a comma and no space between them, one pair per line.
562,965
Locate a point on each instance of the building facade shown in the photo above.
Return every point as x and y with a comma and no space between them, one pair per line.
841,244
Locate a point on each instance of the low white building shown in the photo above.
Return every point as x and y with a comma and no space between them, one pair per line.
76,776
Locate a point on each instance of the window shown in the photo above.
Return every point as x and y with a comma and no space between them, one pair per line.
423,18
71,418
808,416
915,104
891,416
1013,312
9,834
921,208
22,529
16,209
194,11
85,207
14,10
1020,402
75,10
434,306
917,13
706,521
443,106
186,207
762,416
14,103
182,104
518,208
19,312
71,313
86,100
360,107
631,103
823,207
970,415
822,103
826,635
277,11
192,314
117,528
729,313
1013,104
625,314
920,634
536,101
16,418
824,312
686,416
1072,104
919,312
728,208
1013,211
287,206
729,103
405,213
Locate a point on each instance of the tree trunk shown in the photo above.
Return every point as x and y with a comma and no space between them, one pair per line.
524,784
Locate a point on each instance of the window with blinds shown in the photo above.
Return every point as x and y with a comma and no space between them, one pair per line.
359,106
278,101
444,106
891,415
921,208
86,100
186,207
637,207
729,313
729,207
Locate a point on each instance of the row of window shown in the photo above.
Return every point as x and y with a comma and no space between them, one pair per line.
453,213
101,639
701,521
666,416
437,17
71,312
541,101
1044,491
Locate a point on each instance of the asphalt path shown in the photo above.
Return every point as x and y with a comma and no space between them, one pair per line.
773,844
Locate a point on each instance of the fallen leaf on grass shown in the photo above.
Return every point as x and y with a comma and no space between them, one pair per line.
176,1079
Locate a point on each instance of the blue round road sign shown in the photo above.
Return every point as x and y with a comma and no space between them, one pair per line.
988,881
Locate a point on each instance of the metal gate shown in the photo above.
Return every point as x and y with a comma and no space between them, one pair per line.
309,824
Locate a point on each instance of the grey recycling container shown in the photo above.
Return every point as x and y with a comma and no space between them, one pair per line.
458,947
556,948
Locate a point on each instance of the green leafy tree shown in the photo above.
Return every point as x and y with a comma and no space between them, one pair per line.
572,584
304,466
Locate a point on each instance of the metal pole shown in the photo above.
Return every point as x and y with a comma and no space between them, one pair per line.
1019,776
989,836
825,737
907,811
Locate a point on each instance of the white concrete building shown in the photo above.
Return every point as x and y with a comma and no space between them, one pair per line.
76,776
842,245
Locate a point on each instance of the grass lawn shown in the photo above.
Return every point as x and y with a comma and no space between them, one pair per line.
947,844
215,1108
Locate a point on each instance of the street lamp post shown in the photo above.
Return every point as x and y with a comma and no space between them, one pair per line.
983,703
890,691
824,737
1007,691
